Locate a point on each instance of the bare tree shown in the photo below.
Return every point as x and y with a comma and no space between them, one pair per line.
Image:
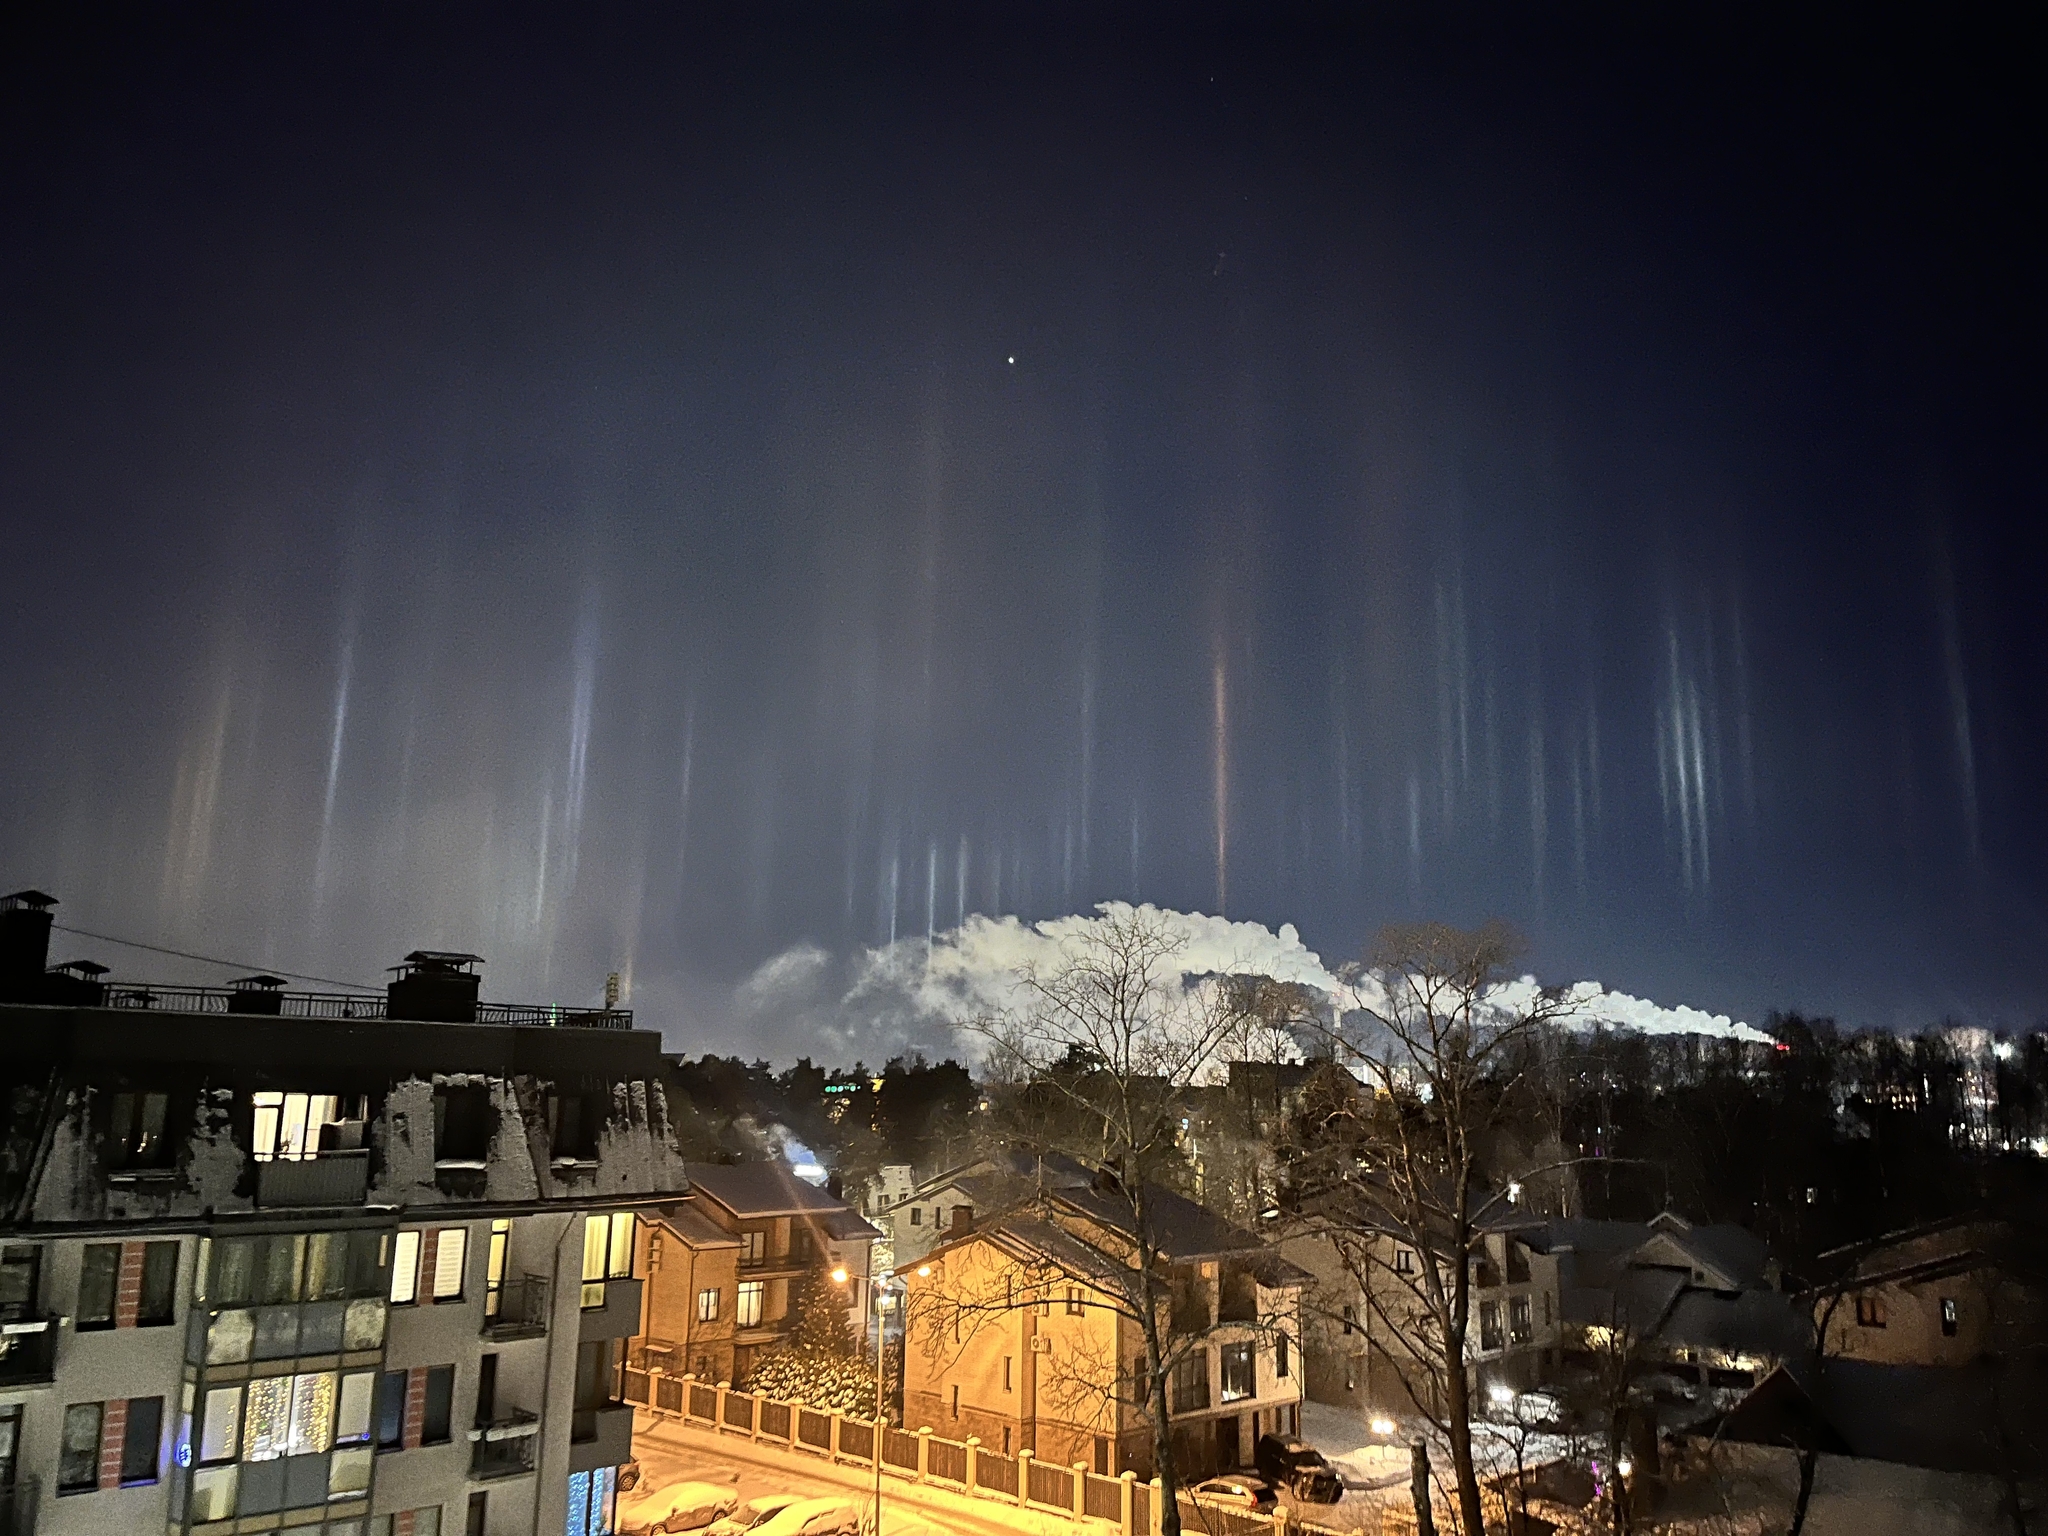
1104,1044
1397,1175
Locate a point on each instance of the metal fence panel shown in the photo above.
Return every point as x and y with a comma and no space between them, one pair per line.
1217,1520
739,1410
703,1401
899,1448
636,1386
947,1459
1105,1497
1052,1485
996,1472
814,1428
857,1439
775,1420
668,1393
1141,1508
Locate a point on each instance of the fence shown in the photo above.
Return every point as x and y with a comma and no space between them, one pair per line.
923,1457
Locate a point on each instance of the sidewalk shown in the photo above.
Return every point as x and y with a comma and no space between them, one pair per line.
670,1450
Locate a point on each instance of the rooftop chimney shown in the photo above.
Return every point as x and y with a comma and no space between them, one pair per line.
256,994
434,986
24,943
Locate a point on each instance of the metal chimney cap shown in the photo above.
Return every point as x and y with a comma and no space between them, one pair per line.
268,983
34,900
437,960
82,967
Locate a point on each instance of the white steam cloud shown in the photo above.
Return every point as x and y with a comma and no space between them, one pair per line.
910,995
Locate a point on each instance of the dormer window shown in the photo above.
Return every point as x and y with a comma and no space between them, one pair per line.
135,1134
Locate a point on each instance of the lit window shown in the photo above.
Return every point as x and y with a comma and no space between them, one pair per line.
1489,1325
607,1253
753,1247
352,1409
494,1267
312,1419
267,1420
451,1249
752,1293
1870,1311
707,1305
621,1265
287,1125
1239,1380
78,1459
1520,1324
1950,1316
405,1268
220,1430
1073,1301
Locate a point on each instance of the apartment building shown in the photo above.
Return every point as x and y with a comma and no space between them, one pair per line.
721,1266
352,1264
1022,1334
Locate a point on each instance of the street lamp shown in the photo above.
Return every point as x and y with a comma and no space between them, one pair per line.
881,1284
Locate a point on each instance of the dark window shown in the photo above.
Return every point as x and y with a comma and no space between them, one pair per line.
391,1411
366,1260
1280,1352
98,1275
136,1135
1074,1308
462,1124
486,1388
479,1503
1350,1318
435,1417
574,1123
1520,1328
1949,1316
1239,1377
1489,1325
78,1458
1404,1261
916,1216
1191,1383
20,1272
594,1366
139,1443
234,1272
159,1285
279,1259
1518,1263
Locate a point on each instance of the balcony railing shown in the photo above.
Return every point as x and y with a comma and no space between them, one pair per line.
505,1446
347,1005
517,1310
327,1178
28,1350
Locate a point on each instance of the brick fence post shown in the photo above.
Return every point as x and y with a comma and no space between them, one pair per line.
1080,1489
1023,1476
973,1467
924,1451
718,1407
754,1416
838,1418
1129,1483
1158,1503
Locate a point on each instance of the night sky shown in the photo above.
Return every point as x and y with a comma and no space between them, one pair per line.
645,491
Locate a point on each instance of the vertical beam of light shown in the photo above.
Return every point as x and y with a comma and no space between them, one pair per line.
1579,821
895,883
960,884
1340,755
683,807
1745,741
1539,805
1087,753
1414,834
1956,675
583,692
1699,784
343,681
1135,886
931,895
1220,751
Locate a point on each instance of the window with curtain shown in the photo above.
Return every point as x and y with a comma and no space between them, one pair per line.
405,1268
78,1454
752,1294
99,1272
286,1126
220,1425
267,1418
707,1305
494,1267
1239,1376
451,1251
312,1420
159,1285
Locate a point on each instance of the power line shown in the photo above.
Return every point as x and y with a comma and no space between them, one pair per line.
233,965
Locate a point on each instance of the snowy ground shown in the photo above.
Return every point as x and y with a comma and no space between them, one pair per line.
1375,1468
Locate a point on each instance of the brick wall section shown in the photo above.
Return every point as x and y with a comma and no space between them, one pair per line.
415,1406
128,1286
113,1435
430,1241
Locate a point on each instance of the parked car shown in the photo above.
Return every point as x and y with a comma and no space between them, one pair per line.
812,1517
674,1507
1298,1466
1240,1490
1540,1410
754,1512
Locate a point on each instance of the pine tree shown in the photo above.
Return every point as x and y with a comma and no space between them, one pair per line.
817,1363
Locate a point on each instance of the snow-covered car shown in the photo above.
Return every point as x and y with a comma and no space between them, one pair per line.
1539,1410
673,1507
1240,1490
812,1517
1287,1462
754,1512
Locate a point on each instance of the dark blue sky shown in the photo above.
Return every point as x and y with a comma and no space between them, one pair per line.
560,486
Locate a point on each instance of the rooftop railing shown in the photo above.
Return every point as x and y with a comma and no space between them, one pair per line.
346,1005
